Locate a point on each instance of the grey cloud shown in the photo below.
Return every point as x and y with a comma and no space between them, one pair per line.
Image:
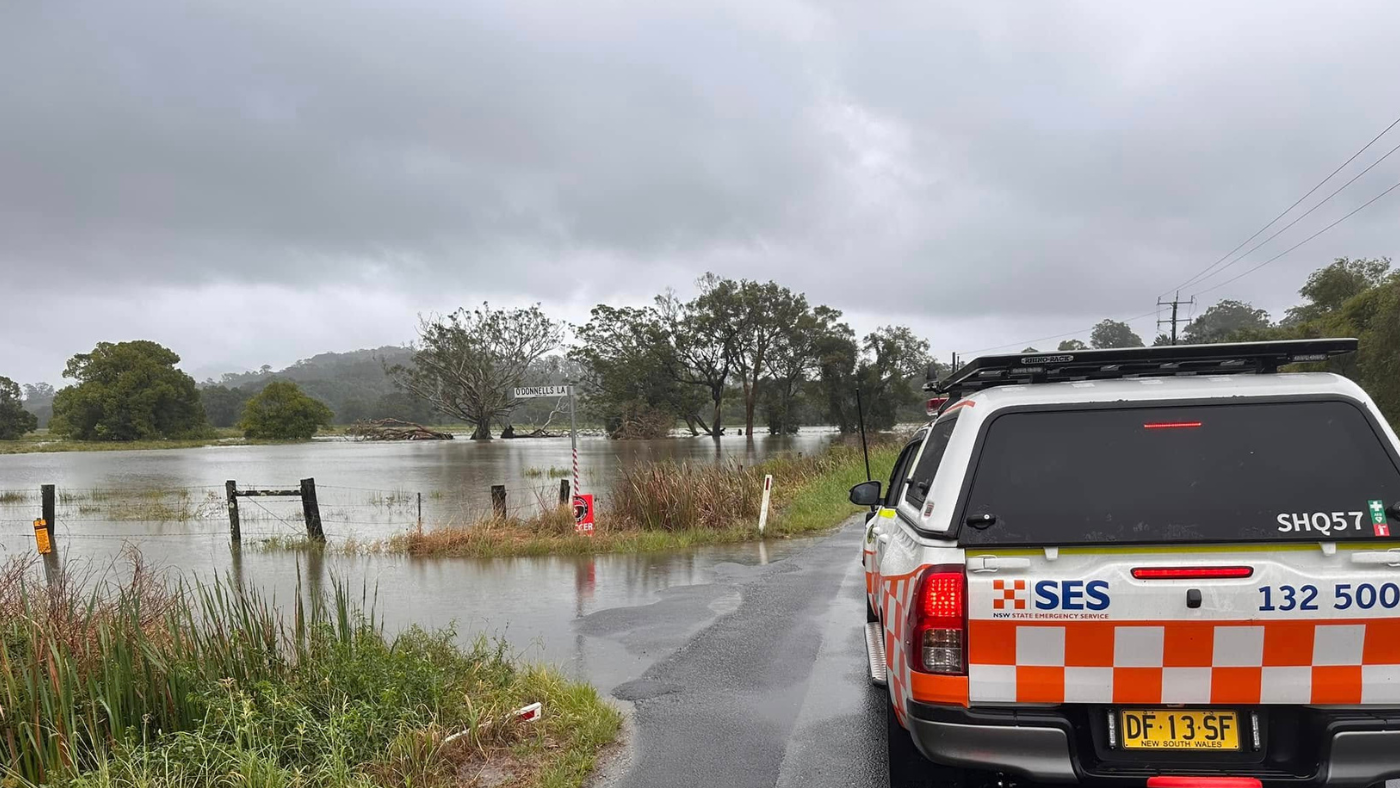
979,169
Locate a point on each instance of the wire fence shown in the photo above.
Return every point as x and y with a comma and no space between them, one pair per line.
200,511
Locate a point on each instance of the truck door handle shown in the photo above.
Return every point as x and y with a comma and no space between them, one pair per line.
884,538
992,563
1373,557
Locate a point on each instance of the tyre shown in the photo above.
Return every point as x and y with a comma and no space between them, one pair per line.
910,769
870,615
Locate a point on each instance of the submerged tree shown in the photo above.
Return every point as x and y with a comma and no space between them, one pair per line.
127,391
282,411
466,364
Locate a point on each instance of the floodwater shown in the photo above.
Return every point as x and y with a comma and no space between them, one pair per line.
447,473
368,491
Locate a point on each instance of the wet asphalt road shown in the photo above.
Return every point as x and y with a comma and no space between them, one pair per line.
758,679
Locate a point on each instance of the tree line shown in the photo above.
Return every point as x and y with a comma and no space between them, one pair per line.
740,352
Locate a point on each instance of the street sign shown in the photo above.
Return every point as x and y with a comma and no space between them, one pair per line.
583,514
530,392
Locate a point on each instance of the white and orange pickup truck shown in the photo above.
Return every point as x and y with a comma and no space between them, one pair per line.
1145,566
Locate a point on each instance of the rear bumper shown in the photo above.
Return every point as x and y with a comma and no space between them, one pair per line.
1342,748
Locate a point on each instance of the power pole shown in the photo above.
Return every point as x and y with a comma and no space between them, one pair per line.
1175,304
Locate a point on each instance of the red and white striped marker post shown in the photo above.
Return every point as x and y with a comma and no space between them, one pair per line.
763,510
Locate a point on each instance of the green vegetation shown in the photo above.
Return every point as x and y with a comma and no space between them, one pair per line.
1109,334
188,687
282,411
551,473
468,363
15,421
127,391
758,343
670,506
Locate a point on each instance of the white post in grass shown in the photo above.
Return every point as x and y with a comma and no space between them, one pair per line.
763,510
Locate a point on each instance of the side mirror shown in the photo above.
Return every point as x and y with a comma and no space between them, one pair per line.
866,494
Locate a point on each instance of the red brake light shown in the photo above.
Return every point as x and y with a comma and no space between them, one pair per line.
938,621
934,405
1174,781
941,599
1171,425
1191,572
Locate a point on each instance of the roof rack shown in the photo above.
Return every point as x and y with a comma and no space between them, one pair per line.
1222,359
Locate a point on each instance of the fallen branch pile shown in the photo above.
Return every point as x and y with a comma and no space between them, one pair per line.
394,430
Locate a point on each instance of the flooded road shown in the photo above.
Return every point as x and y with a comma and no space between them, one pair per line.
743,664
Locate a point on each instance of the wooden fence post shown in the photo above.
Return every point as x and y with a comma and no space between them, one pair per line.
311,510
420,512
235,530
564,492
498,499
46,497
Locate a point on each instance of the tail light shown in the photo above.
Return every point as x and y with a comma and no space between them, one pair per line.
934,405
938,621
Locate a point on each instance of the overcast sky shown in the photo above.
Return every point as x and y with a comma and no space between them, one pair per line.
253,182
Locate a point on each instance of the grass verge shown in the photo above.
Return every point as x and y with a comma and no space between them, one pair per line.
669,506
185,687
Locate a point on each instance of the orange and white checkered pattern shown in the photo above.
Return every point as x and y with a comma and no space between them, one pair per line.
894,607
1244,662
1008,594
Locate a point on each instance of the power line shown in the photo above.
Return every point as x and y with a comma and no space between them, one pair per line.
1271,223
1301,216
1057,336
1300,243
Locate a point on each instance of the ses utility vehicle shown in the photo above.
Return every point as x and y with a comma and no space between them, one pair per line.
1149,566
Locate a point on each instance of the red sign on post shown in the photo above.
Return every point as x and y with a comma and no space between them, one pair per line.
583,514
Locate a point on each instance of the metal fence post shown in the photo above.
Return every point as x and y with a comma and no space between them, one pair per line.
311,511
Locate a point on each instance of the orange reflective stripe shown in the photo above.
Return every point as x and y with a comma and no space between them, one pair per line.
930,688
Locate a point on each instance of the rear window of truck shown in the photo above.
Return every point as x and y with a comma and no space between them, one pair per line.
1254,472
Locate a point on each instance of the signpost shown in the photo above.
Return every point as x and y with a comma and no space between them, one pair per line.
583,505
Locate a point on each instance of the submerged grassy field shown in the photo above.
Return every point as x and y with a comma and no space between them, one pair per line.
188,687
668,506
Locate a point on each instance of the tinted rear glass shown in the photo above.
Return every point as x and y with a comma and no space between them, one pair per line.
1249,472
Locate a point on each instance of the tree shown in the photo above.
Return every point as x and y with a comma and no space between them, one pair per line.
127,391
15,421
467,363
766,313
1162,339
222,405
282,411
1329,289
794,356
38,399
705,335
1112,334
888,367
1072,344
1029,350
1221,322
896,365
837,358
633,378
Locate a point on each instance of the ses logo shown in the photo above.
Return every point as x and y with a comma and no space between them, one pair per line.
1050,595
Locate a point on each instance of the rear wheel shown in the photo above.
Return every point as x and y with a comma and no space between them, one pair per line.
910,769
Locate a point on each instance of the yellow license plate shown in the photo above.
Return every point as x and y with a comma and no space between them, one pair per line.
1161,729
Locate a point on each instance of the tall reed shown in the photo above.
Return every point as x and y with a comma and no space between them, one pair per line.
143,684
